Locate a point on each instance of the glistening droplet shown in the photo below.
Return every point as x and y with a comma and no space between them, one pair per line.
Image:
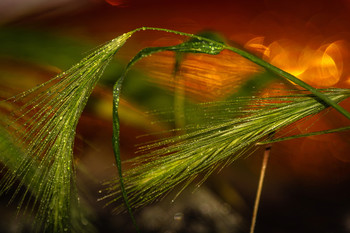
178,216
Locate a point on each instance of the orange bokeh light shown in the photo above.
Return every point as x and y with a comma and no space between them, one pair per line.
321,67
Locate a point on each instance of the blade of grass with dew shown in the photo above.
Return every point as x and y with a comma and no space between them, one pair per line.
260,62
180,55
194,46
169,162
201,45
43,126
50,128
253,84
179,92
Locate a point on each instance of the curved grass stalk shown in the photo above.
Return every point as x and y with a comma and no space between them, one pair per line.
202,45
261,63
192,46
42,125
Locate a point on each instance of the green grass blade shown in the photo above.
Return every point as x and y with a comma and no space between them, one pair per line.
116,147
193,46
214,44
291,78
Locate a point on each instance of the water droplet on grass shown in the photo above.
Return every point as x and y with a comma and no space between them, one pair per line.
178,216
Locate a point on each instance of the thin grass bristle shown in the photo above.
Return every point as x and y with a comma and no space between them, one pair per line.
171,161
39,130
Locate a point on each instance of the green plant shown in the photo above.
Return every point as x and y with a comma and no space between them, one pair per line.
38,131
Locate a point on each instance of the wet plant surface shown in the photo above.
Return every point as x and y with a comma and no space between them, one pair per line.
189,103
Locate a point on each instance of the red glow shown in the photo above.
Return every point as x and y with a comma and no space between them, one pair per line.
114,2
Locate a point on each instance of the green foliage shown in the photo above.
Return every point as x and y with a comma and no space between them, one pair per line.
38,130
212,145
40,47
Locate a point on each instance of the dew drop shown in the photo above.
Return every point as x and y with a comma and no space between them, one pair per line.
84,222
178,216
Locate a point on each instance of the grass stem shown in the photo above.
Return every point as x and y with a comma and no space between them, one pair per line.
260,186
